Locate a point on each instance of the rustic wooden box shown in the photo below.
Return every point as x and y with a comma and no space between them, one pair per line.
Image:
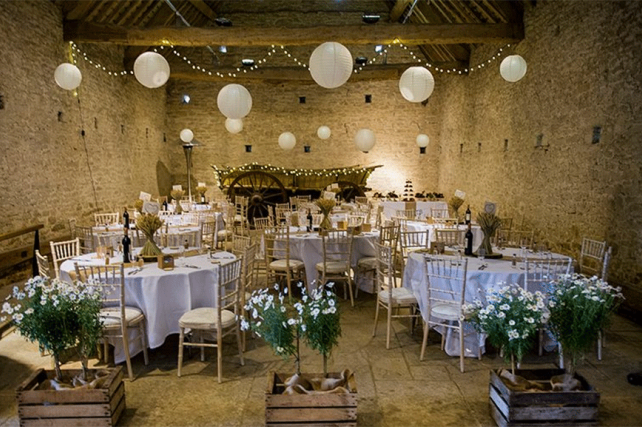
78,408
544,408
310,410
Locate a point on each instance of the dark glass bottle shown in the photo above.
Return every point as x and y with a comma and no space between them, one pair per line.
165,204
468,250
309,217
126,246
468,215
126,219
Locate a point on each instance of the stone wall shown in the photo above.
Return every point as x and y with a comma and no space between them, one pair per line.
277,109
583,71
47,167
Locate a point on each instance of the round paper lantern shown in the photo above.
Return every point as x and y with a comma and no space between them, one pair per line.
364,140
151,70
416,84
331,65
234,101
513,68
287,140
324,132
234,125
187,135
67,76
422,140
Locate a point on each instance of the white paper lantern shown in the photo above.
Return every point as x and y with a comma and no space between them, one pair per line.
187,135
422,140
331,65
234,101
151,70
234,125
364,140
416,84
287,140
324,132
513,68
67,76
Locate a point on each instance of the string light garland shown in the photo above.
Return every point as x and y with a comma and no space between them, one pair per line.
273,50
223,173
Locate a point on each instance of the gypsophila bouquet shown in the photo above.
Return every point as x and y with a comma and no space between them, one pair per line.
510,318
580,307
58,315
283,324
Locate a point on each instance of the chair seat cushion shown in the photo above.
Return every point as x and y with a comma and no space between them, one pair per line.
206,318
281,264
367,263
401,296
111,316
334,267
446,311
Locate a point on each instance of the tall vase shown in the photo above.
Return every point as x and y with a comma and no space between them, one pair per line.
179,208
485,244
325,224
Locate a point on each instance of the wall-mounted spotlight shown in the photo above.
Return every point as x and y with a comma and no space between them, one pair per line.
379,48
370,18
222,49
247,62
223,22
185,99
361,60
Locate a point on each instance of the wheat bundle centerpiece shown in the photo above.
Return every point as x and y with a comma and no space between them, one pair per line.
149,224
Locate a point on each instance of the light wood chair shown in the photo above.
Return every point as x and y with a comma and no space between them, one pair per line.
181,238
118,317
411,241
337,255
87,239
43,265
439,213
277,257
389,296
208,233
263,223
361,200
72,227
61,251
446,296
591,261
388,236
220,319
225,235
410,214
239,244
108,218
515,238
450,236
248,284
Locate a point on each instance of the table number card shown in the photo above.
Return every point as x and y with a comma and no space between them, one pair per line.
145,197
460,194
177,187
202,184
330,195
490,207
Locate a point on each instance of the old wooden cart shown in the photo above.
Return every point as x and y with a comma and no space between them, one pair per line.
267,185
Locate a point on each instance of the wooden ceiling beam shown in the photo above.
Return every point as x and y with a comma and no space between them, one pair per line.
80,9
409,34
397,10
204,9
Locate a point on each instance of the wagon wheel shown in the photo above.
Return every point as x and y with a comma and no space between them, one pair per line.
350,190
263,191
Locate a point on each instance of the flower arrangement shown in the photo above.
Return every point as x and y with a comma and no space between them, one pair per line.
149,224
489,223
455,203
580,307
325,206
178,195
511,318
314,319
138,205
58,315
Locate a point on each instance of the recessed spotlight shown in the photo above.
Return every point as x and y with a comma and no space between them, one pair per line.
370,18
361,60
185,99
379,48
222,49
223,22
247,62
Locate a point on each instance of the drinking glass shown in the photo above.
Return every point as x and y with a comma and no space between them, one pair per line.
481,254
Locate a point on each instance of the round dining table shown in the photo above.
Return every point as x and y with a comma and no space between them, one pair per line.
481,276
163,296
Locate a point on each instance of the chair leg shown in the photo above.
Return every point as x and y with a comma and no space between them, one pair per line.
143,339
541,341
424,341
388,327
181,339
374,329
599,345
219,354
127,356
105,350
238,340
461,347
202,348
349,285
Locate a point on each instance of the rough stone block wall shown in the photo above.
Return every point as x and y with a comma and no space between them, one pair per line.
277,109
583,71
47,167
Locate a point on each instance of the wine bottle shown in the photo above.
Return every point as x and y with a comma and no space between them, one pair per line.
165,204
468,215
469,241
309,218
126,246
126,219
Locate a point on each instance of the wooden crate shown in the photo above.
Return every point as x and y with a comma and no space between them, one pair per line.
310,410
543,408
78,408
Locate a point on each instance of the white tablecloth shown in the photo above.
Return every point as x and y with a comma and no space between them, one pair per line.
478,235
114,235
498,273
390,208
163,296
308,247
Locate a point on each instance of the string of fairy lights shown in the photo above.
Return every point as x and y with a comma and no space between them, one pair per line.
272,52
221,174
